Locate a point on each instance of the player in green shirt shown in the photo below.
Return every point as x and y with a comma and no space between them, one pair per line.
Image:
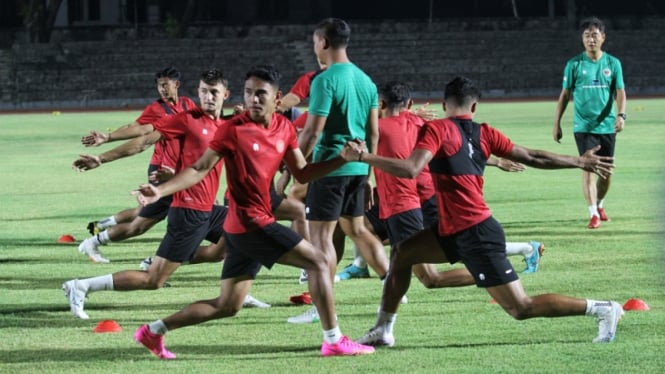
594,79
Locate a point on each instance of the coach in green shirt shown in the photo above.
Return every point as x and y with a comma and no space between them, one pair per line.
594,79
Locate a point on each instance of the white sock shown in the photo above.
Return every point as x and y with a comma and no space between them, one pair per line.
358,260
387,321
101,283
593,306
332,336
593,210
103,237
107,222
600,203
525,249
158,327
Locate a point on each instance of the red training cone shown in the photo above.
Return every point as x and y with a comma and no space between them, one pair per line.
635,304
66,239
305,298
107,325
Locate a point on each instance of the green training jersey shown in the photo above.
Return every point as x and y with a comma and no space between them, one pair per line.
345,95
593,85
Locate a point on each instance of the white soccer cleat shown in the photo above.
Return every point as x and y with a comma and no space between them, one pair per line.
251,302
145,264
90,248
76,297
377,336
608,318
310,316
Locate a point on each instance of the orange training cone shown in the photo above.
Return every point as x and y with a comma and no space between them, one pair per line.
635,304
107,325
66,239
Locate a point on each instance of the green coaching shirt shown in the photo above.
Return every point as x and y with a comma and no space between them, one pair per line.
593,85
345,95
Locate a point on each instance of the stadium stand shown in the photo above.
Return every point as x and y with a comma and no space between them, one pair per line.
510,59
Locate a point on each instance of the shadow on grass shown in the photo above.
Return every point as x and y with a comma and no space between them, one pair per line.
136,352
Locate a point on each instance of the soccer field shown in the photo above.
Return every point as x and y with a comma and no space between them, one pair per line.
446,330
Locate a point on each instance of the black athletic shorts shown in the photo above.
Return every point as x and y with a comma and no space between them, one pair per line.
482,249
160,208
332,197
378,225
245,253
403,225
430,212
586,141
187,228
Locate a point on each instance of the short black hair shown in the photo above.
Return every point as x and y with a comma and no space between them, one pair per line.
462,91
266,73
335,30
213,77
395,94
170,72
591,22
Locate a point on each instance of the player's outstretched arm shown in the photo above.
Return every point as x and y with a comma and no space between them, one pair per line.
589,161
130,131
505,164
403,168
147,193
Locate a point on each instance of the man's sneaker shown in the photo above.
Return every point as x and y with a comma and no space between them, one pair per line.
154,343
93,228
310,316
345,347
533,261
145,264
303,276
603,215
251,302
89,248
594,222
352,271
75,294
377,337
608,318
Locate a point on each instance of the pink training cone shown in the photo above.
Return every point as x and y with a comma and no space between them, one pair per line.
66,239
635,304
107,325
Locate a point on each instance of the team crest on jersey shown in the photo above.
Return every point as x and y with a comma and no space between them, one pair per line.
205,131
255,147
607,72
280,146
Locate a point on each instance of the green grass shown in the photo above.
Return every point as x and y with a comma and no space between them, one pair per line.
452,330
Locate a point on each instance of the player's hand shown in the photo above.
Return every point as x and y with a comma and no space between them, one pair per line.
94,139
147,194
353,149
600,165
509,165
238,108
619,123
369,195
86,162
557,134
162,174
282,182
424,112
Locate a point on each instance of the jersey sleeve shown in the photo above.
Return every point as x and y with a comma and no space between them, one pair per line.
151,114
498,143
172,127
224,140
428,139
320,103
569,75
618,73
302,86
